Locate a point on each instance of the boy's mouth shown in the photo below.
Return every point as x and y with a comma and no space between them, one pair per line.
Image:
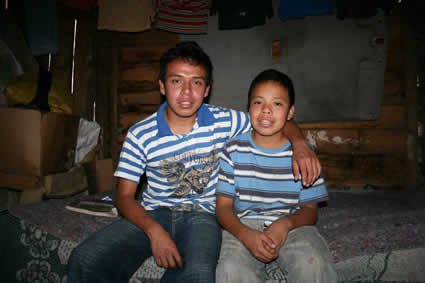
185,104
265,123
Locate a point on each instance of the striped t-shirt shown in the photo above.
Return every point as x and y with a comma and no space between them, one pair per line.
261,181
180,168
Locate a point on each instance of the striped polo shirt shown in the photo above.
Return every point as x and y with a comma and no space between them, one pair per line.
180,168
261,182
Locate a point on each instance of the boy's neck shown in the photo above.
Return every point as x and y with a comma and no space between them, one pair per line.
269,142
179,125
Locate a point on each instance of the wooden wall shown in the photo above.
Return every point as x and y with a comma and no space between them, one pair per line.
84,59
372,152
129,69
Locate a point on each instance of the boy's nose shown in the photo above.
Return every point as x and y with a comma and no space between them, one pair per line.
266,108
186,88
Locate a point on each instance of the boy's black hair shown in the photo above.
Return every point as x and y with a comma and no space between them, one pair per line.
188,51
273,76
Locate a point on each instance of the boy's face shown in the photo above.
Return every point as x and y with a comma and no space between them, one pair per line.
184,88
269,109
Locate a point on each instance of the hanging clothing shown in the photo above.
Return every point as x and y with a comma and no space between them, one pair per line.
79,4
125,15
41,26
359,9
241,14
299,9
182,16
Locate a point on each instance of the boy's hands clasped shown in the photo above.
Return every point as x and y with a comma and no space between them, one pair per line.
265,245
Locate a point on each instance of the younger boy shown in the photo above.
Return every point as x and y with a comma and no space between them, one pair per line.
265,214
177,147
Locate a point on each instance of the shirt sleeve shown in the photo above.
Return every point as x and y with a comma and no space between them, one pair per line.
226,181
314,194
132,161
240,123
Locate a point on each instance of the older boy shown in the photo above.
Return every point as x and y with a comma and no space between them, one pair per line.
178,148
265,214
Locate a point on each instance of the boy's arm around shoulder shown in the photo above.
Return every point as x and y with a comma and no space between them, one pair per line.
304,160
163,247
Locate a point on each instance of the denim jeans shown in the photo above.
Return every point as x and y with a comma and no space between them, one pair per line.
114,253
305,257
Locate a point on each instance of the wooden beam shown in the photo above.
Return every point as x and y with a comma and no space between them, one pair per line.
409,68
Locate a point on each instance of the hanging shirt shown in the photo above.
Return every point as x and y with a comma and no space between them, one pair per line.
125,15
182,16
241,14
299,9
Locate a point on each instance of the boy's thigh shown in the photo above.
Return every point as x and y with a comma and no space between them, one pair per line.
198,238
303,248
236,263
305,239
119,244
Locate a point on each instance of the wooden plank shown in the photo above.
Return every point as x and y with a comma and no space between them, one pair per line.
134,86
147,108
357,140
148,97
384,170
392,116
84,76
115,147
141,72
126,120
382,141
410,77
392,84
394,54
153,37
143,53
333,140
336,167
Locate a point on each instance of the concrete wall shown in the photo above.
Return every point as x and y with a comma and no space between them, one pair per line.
336,65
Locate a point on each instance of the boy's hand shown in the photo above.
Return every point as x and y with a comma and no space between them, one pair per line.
304,160
278,233
259,245
164,249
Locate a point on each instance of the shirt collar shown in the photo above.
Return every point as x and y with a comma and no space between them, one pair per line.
204,118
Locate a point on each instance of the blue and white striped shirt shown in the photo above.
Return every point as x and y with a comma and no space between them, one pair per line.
180,168
261,181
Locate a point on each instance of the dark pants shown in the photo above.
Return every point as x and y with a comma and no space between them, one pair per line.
114,253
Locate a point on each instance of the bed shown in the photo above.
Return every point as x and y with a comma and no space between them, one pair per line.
373,235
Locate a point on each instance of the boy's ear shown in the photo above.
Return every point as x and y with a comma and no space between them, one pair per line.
207,91
161,87
291,113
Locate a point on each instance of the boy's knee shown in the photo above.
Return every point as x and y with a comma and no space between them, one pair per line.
234,271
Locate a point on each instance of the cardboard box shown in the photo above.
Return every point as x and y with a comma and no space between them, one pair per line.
35,143
100,175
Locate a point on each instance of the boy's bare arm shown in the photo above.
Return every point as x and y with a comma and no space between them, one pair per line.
163,247
304,160
280,228
256,242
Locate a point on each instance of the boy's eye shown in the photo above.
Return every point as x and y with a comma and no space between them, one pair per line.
278,104
175,81
256,102
198,83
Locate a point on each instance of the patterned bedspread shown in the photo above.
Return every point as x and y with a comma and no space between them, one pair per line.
376,236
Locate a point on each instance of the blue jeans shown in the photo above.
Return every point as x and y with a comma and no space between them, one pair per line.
114,253
305,257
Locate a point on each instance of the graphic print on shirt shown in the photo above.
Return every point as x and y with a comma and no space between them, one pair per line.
192,180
